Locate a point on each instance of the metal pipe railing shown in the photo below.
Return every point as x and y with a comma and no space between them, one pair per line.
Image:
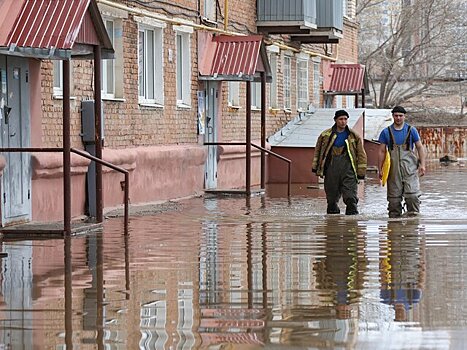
85,155
262,149
116,168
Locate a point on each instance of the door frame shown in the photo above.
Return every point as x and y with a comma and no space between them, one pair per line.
15,68
211,133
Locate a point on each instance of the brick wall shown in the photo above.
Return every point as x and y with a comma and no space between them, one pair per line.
128,124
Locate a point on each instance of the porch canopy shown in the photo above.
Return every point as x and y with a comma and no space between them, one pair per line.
60,30
347,79
235,58
52,29
240,58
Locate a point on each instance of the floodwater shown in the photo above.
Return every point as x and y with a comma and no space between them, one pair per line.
263,272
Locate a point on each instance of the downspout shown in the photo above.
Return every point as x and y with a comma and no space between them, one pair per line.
226,14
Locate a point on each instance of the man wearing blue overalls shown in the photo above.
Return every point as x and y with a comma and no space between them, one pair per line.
403,180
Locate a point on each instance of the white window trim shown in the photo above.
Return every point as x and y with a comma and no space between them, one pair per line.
233,94
255,96
58,90
57,93
273,95
157,27
287,108
185,33
210,13
104,86
316,82
302,57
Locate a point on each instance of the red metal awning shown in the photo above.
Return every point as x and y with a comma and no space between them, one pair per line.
235,58
50,29
346,78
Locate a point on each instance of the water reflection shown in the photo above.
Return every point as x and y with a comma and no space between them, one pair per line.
231,273
403,268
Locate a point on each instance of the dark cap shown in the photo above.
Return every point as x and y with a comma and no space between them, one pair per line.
340,113
398,109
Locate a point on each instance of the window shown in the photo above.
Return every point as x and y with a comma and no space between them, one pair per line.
287,82
234,93
108,66
150,51
255,95
302,84
350,101
316,84
58,78
338,101
183,68
273,85
210,9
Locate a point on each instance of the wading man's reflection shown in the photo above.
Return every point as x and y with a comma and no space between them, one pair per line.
340,271
403,268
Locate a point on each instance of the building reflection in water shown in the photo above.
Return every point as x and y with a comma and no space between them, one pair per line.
17,290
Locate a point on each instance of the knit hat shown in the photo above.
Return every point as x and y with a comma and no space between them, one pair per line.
340,113
398,109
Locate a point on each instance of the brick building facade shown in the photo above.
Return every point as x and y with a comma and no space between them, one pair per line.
152,121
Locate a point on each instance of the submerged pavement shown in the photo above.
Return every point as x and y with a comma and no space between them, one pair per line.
250,273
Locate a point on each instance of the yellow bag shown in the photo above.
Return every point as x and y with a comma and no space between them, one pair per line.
385,170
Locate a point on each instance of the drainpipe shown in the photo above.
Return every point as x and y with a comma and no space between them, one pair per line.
226,14
66,149
98,131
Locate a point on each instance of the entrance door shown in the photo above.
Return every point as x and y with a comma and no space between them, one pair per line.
15,132
212,91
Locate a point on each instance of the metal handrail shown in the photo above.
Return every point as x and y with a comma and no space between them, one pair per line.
262,149
288,161
85,155
125,172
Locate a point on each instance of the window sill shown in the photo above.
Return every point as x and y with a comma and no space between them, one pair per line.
183,106
234,108
113,99
151,105
60,97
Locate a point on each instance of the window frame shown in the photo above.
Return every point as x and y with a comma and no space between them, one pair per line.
273,52
57,76
255,95
287,75
233,94
210,9
183,82
316,83
303,97
109,62
145,26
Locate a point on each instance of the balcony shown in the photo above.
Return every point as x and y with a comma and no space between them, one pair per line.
307,21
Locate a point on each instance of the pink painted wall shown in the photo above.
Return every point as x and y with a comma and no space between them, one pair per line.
156,173
371,149
231,168
160,173
301,158
47,185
